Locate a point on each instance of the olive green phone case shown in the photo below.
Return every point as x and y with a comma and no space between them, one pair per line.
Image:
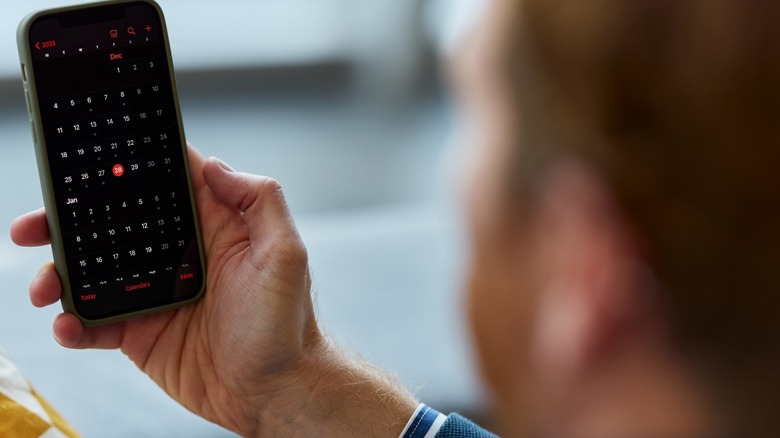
28,77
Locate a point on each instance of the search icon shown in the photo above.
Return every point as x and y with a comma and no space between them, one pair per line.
131,30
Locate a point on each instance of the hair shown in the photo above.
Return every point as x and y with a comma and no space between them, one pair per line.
676,104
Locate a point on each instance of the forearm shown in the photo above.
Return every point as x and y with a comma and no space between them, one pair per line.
338,395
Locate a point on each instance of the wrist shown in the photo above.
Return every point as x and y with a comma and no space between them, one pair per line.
333,393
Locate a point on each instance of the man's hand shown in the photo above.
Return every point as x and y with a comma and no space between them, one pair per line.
249,355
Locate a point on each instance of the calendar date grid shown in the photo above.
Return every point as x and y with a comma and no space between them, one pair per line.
99,215
142,272
122,123
140,164
76,101
115,142
129,257
110,120
138,80
101,173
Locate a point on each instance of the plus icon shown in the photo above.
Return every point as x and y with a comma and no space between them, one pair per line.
148,28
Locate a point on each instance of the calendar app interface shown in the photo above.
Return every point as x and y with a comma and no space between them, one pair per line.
116,160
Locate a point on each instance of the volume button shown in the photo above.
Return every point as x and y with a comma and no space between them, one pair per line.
35,136
29,106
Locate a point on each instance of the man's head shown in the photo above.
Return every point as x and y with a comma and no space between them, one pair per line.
624,201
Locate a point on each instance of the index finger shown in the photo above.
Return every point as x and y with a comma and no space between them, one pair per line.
31,229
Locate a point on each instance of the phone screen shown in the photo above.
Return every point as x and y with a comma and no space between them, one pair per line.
116,159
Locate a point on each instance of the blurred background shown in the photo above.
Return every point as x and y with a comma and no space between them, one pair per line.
344,102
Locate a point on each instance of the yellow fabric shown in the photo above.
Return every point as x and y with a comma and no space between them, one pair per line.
18,422
24,413
56,418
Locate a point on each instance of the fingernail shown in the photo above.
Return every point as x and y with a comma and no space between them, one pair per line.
225,166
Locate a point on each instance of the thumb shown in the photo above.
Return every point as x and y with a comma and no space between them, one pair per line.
259,198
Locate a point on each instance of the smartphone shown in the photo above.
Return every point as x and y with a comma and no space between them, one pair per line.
112,159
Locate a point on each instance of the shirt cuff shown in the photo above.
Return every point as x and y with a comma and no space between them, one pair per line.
425,423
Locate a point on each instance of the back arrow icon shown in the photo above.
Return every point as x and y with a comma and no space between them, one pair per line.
38,46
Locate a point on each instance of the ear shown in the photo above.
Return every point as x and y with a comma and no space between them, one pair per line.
592,283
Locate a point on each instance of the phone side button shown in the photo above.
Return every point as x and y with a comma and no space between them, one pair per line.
35,137
27,95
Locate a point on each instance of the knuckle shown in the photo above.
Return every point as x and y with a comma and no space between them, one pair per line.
270,185
292,251
256,191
